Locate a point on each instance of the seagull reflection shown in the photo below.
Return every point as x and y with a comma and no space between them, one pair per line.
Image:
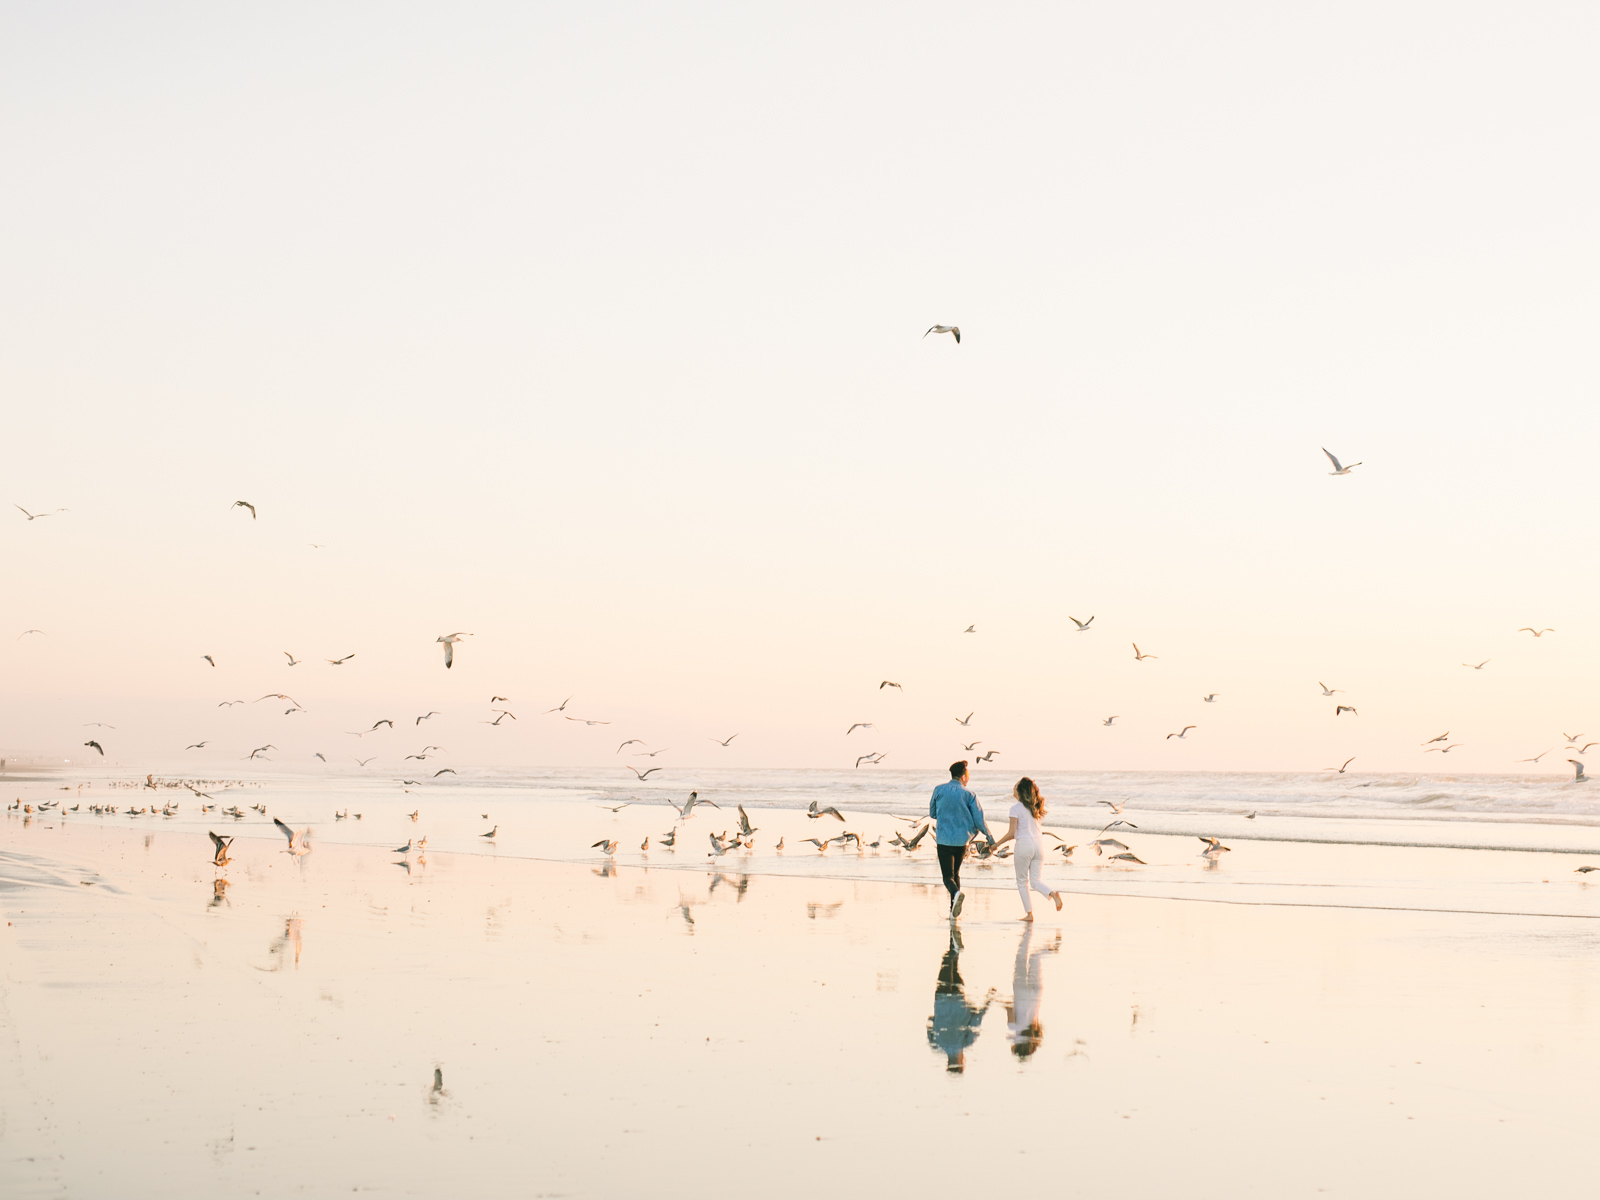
606,869
1023,1029
219,893
437,1093
290,937
954,1023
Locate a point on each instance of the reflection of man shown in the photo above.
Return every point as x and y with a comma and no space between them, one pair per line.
954,1024
955,810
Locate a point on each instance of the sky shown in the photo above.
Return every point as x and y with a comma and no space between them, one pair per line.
597,332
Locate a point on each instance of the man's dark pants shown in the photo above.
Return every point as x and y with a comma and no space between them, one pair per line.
950,867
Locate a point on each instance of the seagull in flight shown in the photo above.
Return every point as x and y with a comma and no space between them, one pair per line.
293,661
986,756
1572,738
1442,749
969,747
37,515
444,771
1345,708
859,725
867,758
966,721
652,753
1211,699
1340,770
815,813
259,750
231,703
954,330
361,762
562,707
1535,632
969,628
243,504
643,775
1183,733
220,858
449,640
1578,776
724,743
1115,807
626,744
1337,468
100,724
503,713
1443,737
1478,666
1083,626
276,696
299,839
1326,690
586,721
424,717
364,732
1111,719
97,746
1538,756
889,683
339,662
197,745
26,632
209,659
1139,655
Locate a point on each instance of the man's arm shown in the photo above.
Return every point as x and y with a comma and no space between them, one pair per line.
933,805
977,813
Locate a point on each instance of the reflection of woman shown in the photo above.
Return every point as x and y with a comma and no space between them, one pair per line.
1027,990
954,1024
1025,814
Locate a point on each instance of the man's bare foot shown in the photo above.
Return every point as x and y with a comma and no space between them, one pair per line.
1056,896
1029,917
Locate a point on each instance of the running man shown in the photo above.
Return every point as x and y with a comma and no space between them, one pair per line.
957,815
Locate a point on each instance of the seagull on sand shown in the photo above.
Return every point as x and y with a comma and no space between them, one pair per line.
1083,626
37,515
243,504
1538,756
1535,632
955,330
1340,770
1478,666
643,775
1578,775
1183,733
1111,719
339,662
889,683
1345,708
859,725
814,812
406,849
299,839
221,844
1326,690
491,832
97,746
724,742
449,640
1337,468
1139,655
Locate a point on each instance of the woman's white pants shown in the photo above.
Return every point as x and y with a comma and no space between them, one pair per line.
1029,862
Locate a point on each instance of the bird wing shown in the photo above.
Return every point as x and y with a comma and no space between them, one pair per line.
1333,460
284,829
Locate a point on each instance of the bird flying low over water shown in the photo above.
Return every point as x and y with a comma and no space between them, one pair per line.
1083,626
814,812
1337,469
449,640
243,504
97,746
299,839
221,844
643,775
1345,708
1578,775
1340,770
1139,655
954,330
1535,632
1129,856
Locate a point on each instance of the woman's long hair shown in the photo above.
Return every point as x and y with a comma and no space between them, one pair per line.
1029,796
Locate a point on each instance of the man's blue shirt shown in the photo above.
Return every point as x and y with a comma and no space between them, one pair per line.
957,812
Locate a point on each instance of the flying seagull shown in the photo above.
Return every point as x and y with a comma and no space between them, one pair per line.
229,703
609,845
1211,699
969,628
584,721
276,696
967,720
1337,469
868,758
299,839
1109,720
629,742
562,707
969,747
1478,666
1347,762
424,717
1443,737
220,858
1183,733
723,743
859,725
643,775
243,504
444,771
97,746
26,632
1537,756
1083,626
339,662
209,659
449,640
37,515
1140,656
950,329
986,756
1535,632
1441,749
1345,708
889,683
814,812
1326,690
361,762
1579,776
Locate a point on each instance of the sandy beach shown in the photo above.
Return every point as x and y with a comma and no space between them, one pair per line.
660,1026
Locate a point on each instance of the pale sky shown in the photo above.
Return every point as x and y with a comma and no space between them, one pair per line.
596,331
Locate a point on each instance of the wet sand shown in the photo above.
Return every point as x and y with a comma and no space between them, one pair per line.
634,1030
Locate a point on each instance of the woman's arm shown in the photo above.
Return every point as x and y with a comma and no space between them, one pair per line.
1009,834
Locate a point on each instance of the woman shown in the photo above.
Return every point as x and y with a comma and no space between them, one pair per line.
1025,814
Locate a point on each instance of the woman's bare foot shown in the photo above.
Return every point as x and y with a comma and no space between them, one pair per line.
1056,896
1028,917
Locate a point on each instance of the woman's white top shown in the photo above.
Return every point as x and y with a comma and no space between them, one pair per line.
1027,825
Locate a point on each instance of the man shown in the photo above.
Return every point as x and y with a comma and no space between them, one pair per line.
957,815
954,1024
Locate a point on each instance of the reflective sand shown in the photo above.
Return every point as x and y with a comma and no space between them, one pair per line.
630,1030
